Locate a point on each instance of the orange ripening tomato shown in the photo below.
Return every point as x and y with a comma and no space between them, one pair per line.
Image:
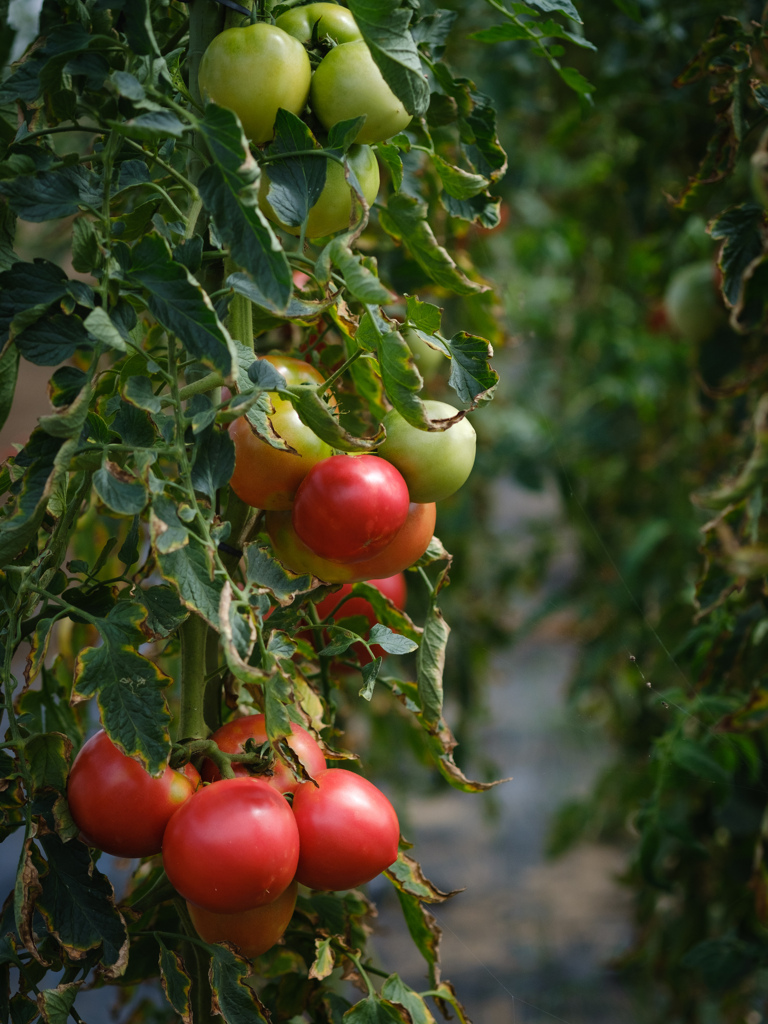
409,544
267,477
252,931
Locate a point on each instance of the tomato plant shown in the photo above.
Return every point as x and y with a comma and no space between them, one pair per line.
233,736
407,547
434,463
255,71
268,477
253,931
234,847
141,576
348,509
332,211
117,805
315,22
348,829
346,84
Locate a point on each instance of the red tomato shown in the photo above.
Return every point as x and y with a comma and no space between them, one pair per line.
118,806
393,587
232,737
348,829
349,508
252,931
267,477
408,546
233,846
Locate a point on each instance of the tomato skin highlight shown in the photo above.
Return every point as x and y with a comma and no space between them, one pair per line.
118,806
232,736
233,846
254,71
393,587
348,508
347,83
252,931
267,477
408,545
348,829
434,463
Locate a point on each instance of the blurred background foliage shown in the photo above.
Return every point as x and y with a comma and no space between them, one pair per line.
626,396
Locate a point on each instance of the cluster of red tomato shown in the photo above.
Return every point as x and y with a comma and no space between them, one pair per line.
236,850
256,70
349,518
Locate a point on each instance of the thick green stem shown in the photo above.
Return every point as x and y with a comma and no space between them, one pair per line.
212,695
201,986
240,320
194,636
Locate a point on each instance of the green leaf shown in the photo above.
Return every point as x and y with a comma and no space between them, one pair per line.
68,420
405,219
576,81
359,279
370,673
53,194
384,26
38,460
177,983
458,182
424,931
318,416
324,961
423,315
741,231
55,1003
214,461
120,490
152,125
232,998
48,756
229,188
178,302
402,380
394,990
430,663
297,309
407,876
562,6
340,641
77,904
392,643
263,571
372,1010
165,613
128,687
472,377
691,756
296,182
9,370
99,324
722,962
190,570
138,28
390,157
167,530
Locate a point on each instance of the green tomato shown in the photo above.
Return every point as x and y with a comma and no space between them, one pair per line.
254,71
433,463
333,208
348,83
692,303
316,21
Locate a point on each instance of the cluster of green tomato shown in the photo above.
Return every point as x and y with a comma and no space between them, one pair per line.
236,850
254,71
349,518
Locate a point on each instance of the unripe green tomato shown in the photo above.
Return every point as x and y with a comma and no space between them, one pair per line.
433,463
254,71
333,208
316,21
691,301
347,83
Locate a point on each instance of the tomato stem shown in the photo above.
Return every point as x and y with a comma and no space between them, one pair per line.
194,634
